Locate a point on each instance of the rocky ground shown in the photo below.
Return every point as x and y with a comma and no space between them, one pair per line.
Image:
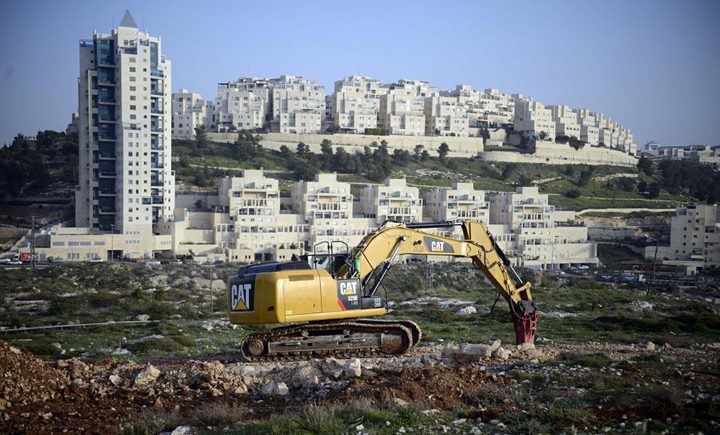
464,388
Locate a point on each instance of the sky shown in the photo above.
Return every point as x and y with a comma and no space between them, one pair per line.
652,65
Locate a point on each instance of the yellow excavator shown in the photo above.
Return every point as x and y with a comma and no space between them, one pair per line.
327,303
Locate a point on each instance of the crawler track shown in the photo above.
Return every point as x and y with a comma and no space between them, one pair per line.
344,338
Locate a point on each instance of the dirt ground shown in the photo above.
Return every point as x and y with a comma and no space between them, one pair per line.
75,397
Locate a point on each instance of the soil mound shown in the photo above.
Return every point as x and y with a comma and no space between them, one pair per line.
25,379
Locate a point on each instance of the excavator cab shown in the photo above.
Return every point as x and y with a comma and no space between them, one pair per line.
330,256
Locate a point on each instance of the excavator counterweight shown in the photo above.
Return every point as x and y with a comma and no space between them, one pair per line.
326,303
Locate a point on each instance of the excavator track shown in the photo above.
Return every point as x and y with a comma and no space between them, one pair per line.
343,338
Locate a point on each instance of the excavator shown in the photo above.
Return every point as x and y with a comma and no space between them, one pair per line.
327,303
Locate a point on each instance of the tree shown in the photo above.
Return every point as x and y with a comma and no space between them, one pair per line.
443,151
625,183
302,149
201,139
401,157
642,186
247,146
418,150
542,135
576,143
327,152
574,193
645,165
284,151
425,155
653,190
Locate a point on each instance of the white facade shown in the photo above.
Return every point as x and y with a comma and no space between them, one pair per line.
355,104
541,236
694,239
402,108
326,205
565,122
298,105
126,182
459,203
189,111
242,104
445,116
394,201
533,119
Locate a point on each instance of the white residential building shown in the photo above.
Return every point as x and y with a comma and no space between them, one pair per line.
394,201
126,180
326,205
189,111
402,108
459,203
355,104
694,239
565,122
298,105
242,104
445,116
533,119
537,235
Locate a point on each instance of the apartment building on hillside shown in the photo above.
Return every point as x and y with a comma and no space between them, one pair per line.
694,239
533,119
392,201
402,108
189,111
541,236
242,104
298,105
354,105
445,116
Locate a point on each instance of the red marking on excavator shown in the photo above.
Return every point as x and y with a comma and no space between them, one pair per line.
525,327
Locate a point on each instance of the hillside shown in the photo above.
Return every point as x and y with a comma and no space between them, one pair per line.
201,163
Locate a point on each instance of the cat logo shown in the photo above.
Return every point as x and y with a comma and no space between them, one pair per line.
436,245
348,288
242,296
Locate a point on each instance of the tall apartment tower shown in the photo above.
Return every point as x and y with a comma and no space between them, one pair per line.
126,180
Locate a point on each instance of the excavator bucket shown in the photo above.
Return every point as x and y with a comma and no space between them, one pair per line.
525,326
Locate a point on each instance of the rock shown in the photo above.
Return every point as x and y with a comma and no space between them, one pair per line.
428,412
14,350
241,389
3,404
272,389
120,351
495,345
147,375
359,428
353,368
305,376
502,354
142,317
330,366
650,346
528,350
400,402
459,421
115,380
280,389
181,430
472,352
466,311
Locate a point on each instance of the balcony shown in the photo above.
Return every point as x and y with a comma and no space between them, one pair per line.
154,129
155,165
156,147
156,92
107,210
157,199
105,82
106,100
106,156
156,73
107,174
156,183
107,136
106,192
156,111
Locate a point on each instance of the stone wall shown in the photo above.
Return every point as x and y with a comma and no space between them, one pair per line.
546,152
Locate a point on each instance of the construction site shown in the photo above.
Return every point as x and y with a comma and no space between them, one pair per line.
134,348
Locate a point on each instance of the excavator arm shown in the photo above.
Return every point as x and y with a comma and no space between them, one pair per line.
372,258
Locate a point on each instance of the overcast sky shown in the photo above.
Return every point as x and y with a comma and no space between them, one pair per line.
654,66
